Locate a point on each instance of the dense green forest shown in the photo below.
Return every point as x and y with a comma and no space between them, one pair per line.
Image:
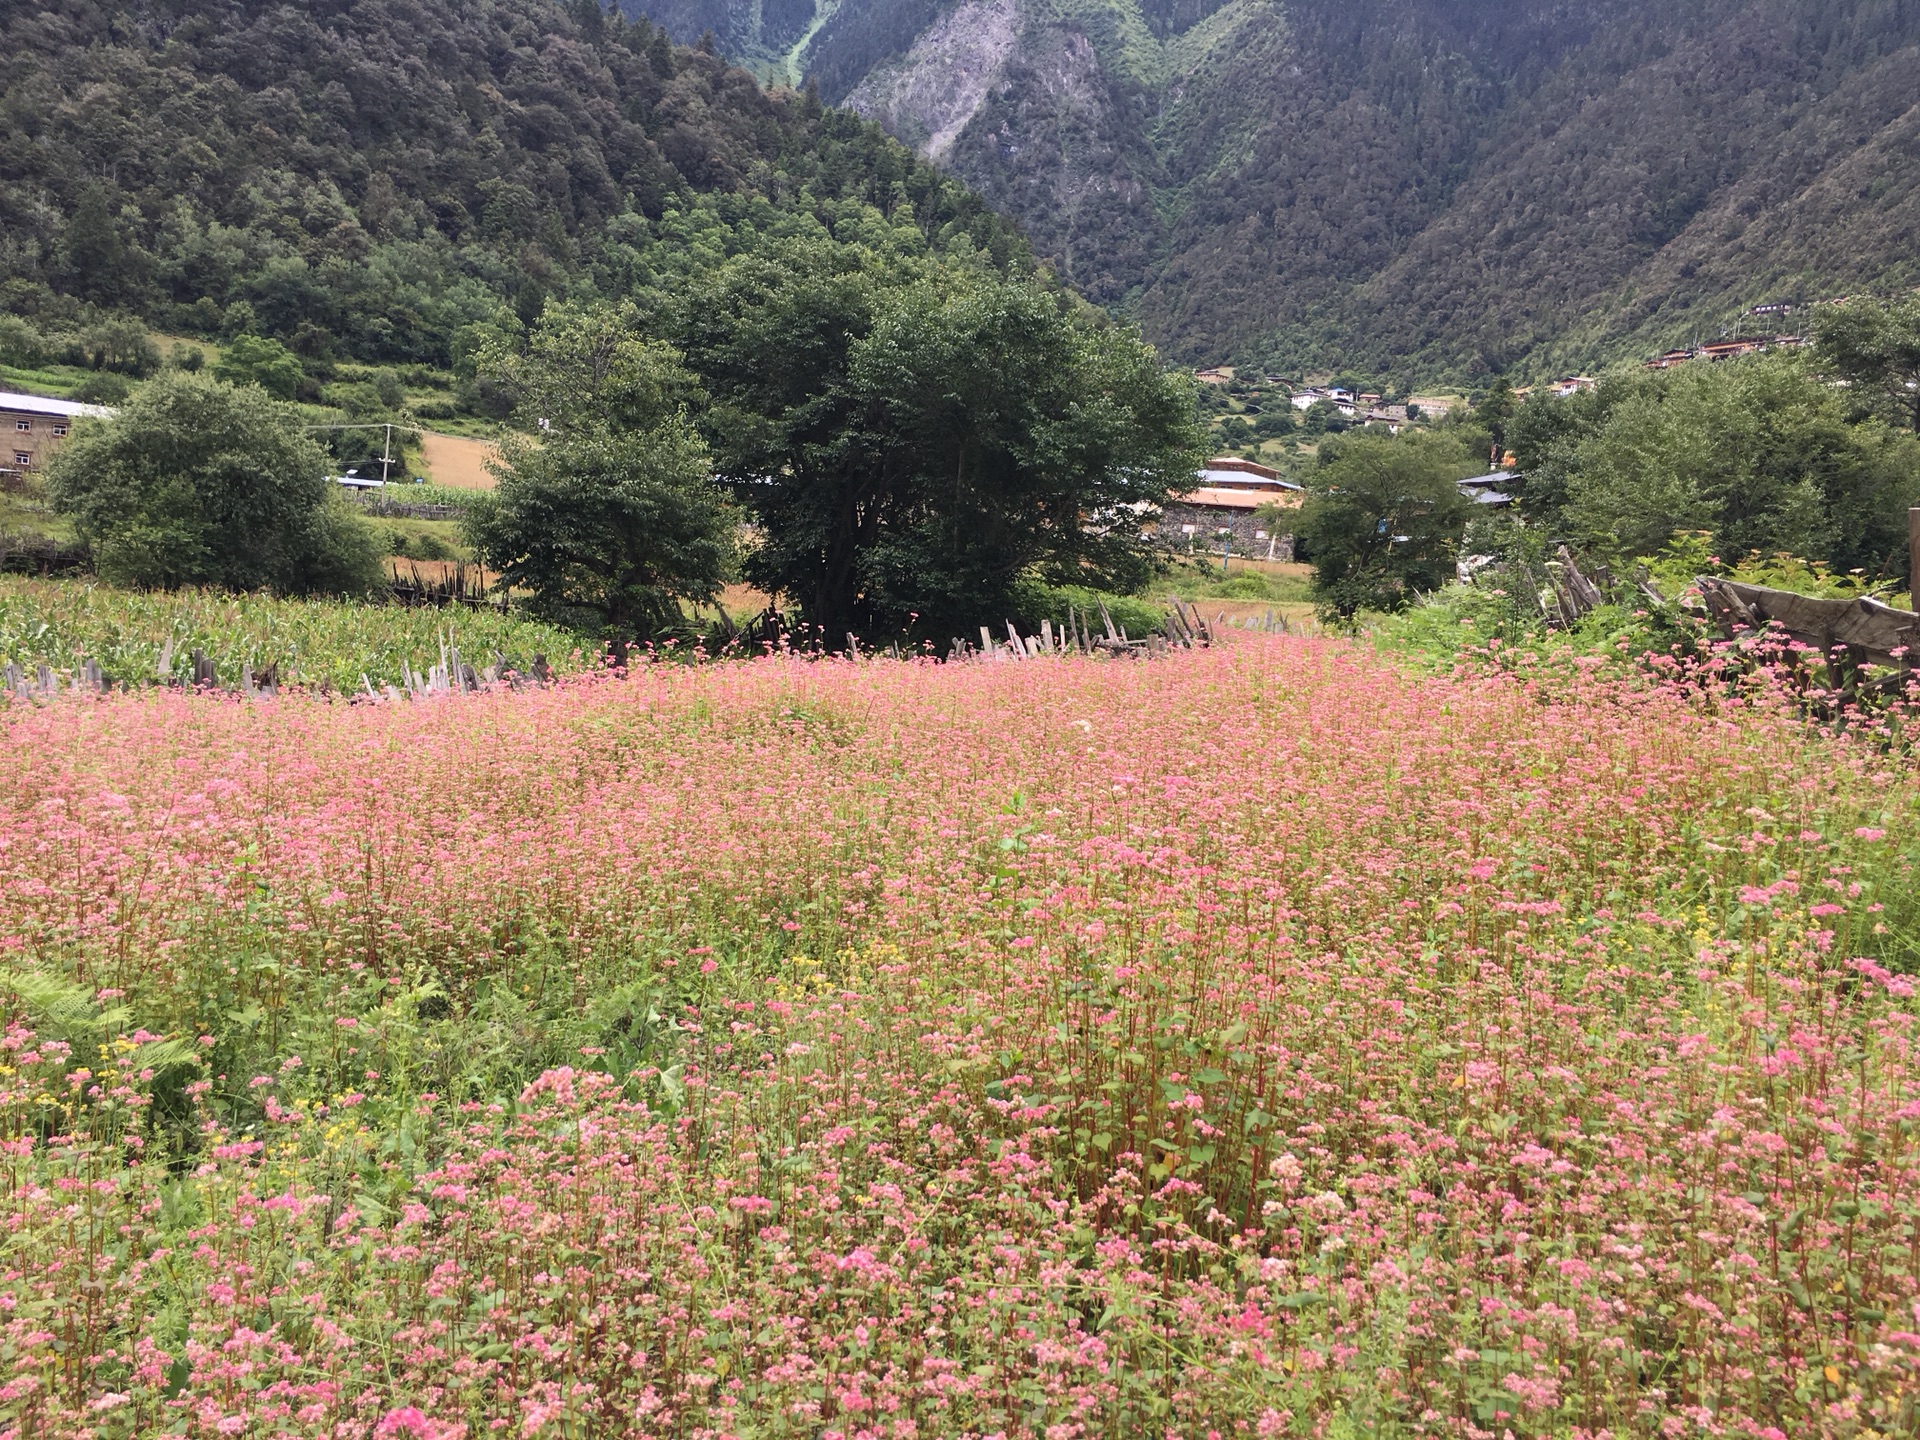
1420,188
387,180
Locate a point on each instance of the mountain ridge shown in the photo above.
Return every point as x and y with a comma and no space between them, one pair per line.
1421,187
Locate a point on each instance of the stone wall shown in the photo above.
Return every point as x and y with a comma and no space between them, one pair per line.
1207,522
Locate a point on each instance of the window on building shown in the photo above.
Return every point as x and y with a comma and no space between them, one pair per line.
59,431
21,457
23,424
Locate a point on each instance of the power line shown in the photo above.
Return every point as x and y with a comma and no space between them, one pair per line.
386,450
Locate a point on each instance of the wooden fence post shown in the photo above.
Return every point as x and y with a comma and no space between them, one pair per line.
1913,555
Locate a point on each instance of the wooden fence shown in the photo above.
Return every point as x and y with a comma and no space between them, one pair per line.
1076,634
457,583
1563,593
1866,630
1184,628
22,554
388,509
1823,647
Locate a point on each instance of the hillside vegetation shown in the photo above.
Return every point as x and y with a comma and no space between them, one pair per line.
1419,187
375,180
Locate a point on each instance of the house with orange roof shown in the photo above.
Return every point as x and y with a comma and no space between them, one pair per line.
1233,498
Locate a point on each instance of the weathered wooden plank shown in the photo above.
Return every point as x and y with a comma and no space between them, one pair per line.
1913,556
1874,629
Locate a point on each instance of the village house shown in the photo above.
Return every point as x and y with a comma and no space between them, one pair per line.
1215,375
1730,349
35,425
1726,350
1495,489
1308,396
1227,501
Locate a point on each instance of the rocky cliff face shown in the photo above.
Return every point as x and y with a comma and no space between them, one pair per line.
932,93
1421,187
1019,104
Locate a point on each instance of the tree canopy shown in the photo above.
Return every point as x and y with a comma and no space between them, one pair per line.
254,360
1760,454
605,511
915,438
1875,346
1383,519
200,482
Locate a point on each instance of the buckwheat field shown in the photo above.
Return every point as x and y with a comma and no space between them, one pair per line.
1257,1041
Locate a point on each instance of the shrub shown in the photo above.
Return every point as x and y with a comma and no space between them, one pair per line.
199,482
105,388
255,360
21,346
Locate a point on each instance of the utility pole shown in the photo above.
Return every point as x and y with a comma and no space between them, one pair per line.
386,448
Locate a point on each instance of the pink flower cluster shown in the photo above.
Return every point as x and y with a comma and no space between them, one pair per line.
1261,1041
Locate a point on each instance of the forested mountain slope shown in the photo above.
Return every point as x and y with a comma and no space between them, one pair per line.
369,177
1416,186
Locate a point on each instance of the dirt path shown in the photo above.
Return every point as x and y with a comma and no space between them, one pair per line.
461,463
